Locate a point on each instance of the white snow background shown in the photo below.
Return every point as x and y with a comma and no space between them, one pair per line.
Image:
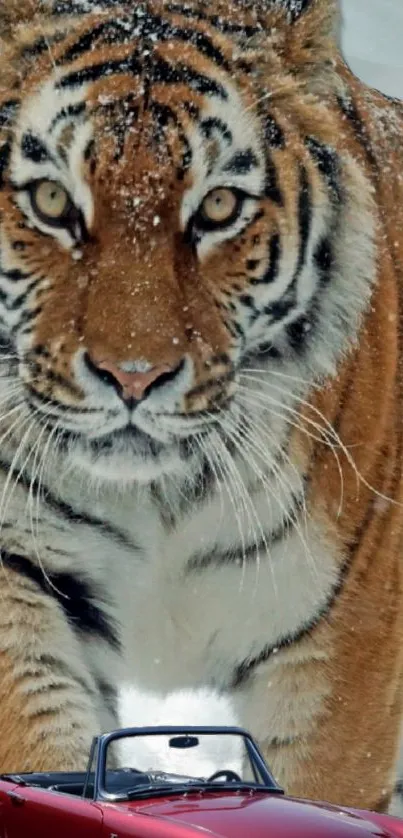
372,38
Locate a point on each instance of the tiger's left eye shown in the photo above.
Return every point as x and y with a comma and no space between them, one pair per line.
219,208
51,203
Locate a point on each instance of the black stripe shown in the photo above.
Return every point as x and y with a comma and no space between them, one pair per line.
76,596
79,517
112,31
121,113
272,189
27,317
328,164
324,260
201,561
67,113
304,218
64,7
241,162
235,329
249,302
274,260
299,331
7,111
350,111
32,148
42,44
294,8
50,377
74,516
163,115
217,21
204,45
157,71
17,302
244,671
211,124
161,71
144,26
15,275
279,309
5,152
207,385
94,72
155,26
36,398
273,134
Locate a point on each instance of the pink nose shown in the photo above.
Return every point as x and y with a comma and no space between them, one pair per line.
132,384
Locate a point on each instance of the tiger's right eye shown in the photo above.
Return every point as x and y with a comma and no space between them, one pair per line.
219,206
52,203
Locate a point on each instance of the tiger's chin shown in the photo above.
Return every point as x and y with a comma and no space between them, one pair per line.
125,458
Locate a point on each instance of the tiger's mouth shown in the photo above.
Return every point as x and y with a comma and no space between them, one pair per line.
130,453
129,439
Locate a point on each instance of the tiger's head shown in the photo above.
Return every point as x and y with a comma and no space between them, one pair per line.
179,224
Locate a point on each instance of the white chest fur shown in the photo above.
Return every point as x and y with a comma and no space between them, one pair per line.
193,608
236,574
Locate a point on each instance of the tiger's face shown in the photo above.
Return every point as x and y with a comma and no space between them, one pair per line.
166,232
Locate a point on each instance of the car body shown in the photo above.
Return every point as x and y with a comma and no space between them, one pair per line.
118,802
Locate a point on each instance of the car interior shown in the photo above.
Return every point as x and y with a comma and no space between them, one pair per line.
124,779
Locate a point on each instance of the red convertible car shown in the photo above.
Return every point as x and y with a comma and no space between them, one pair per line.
109,801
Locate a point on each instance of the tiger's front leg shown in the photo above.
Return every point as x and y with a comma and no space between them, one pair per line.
50,704
328,724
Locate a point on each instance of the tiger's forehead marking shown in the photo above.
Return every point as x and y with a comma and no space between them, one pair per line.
64,120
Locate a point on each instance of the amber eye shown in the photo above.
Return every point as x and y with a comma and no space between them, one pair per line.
51,202
220,207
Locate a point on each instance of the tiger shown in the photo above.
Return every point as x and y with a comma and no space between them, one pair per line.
201,302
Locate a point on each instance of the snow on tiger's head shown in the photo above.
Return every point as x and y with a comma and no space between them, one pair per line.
173,213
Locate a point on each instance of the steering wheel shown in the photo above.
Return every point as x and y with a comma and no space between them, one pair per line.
227,774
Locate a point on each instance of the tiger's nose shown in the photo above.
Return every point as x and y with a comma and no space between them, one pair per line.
131,385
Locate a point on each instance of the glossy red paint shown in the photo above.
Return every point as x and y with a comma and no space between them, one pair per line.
255,815
27,812
37,813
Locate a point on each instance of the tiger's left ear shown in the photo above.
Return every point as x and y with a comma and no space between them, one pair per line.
14,12
295,9
302,34
305,35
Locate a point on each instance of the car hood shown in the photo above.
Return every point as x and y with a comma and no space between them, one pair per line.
262,815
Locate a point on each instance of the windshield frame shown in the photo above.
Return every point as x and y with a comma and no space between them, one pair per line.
101,743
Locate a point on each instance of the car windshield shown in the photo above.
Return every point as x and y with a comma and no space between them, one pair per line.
134,765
